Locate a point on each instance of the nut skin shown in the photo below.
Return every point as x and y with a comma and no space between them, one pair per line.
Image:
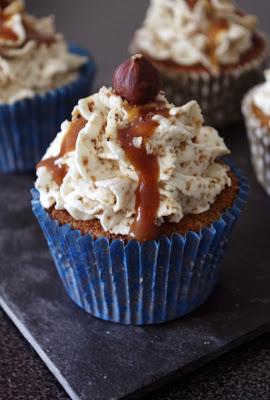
137,80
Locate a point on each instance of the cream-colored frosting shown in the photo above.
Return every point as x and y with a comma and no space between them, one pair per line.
261,97
173,31
101,183
28,67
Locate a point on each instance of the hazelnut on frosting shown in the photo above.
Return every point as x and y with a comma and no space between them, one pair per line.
137,80
119,152
210,33
33,58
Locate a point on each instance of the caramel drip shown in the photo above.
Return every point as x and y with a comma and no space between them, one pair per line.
68,144
147,167
6,33
217,27
265,120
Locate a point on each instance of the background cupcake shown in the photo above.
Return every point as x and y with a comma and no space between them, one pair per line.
206,50
256,110
40,81
135,203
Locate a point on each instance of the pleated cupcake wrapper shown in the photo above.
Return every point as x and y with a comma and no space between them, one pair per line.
134,283
259,142
28,126
220,95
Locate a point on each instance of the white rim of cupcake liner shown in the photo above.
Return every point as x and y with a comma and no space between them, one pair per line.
259,141
220,94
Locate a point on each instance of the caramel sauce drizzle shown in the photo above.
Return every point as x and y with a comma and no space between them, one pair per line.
147,168
6,33
68,144
146,165
217,27
265,120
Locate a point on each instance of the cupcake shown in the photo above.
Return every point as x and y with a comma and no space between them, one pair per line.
41,78
256,111
136,202
207,50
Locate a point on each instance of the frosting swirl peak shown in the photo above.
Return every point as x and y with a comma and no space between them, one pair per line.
33,57
210,33
103,174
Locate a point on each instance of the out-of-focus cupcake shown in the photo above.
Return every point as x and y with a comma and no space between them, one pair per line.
206,50
256,110
41,78
135,202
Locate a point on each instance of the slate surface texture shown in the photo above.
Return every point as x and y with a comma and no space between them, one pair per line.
94,359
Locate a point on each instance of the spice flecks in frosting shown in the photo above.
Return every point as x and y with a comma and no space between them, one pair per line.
102,180
33,57
210,33
68,144
145,163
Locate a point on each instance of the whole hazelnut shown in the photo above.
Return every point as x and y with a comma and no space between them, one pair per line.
137,80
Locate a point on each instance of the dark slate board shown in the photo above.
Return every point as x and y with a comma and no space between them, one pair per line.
101,361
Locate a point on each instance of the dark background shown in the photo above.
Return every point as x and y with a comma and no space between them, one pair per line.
105,27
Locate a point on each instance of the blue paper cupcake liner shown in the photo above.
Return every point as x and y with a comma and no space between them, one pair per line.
28,126
136,283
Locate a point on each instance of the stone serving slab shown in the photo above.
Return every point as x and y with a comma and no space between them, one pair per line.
103,361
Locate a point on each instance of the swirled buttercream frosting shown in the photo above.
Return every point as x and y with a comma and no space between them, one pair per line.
211,33
33,57
117,162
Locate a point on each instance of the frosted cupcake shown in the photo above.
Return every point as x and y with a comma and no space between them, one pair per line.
135,202
205,50
41,79
256,110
